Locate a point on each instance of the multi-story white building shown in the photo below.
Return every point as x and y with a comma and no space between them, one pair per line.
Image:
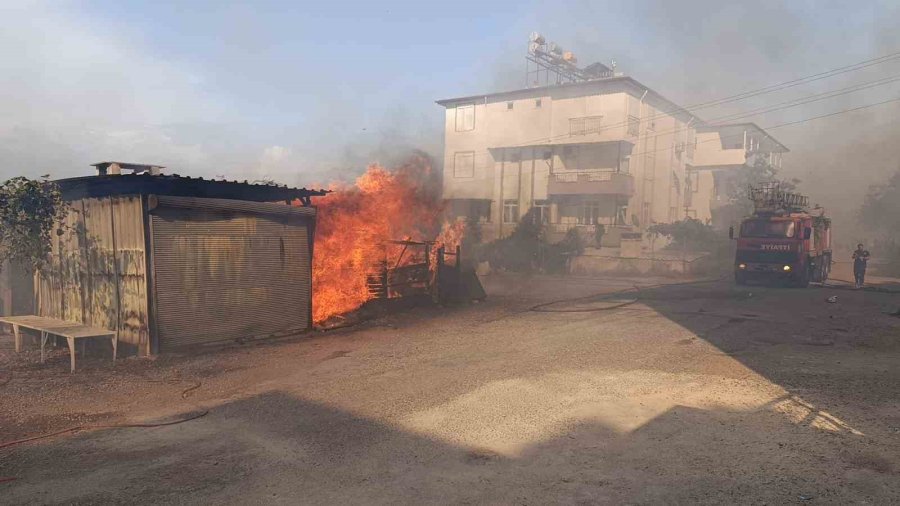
607,151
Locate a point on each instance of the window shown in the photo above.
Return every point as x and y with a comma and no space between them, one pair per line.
478,210
510,211
584,126
621,213
509,106
464,164
763,228
465,117
481,209
692,181
537,103
541,212
679,149
590,213
634,126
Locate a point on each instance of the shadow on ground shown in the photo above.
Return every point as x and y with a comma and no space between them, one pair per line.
277,448
827,431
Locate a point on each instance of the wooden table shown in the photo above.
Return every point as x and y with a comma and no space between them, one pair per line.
51,326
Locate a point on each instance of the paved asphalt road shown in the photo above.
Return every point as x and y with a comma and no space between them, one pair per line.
691,393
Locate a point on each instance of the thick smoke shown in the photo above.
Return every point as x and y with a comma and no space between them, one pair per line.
701,50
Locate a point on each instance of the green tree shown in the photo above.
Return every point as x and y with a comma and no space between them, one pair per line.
735,187
30,211
880,211
879,215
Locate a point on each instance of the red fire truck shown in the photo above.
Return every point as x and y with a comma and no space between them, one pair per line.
782,240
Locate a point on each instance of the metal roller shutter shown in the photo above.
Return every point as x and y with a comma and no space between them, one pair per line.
224,275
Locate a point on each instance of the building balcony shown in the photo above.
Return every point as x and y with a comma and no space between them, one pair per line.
715,157
731,146
590,183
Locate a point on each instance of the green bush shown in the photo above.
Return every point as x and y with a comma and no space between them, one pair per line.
689,234
526,249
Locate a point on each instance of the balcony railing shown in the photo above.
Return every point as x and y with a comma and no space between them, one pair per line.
590,183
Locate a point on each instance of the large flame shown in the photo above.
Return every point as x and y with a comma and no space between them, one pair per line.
355,221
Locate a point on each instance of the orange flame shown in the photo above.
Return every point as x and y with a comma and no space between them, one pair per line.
451,236
353,223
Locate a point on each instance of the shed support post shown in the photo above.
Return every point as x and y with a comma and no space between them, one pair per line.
71,352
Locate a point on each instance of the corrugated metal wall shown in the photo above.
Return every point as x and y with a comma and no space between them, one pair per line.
228,274
97,272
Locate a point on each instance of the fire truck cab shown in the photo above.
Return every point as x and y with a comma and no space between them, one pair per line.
782,240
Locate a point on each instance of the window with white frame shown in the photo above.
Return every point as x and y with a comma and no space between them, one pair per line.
541,212
510,211
465,117
464,164
590,213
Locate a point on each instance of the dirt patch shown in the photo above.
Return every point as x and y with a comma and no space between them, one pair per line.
870,460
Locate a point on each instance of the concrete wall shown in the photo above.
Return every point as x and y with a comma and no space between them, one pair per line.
658,164
593,264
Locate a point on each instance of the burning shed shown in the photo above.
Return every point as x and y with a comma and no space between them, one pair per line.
171,261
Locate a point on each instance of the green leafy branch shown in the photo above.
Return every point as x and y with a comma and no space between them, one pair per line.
30,212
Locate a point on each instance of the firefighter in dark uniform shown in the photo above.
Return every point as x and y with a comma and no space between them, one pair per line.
860,259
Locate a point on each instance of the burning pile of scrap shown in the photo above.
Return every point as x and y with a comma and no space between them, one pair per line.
357,258
424,269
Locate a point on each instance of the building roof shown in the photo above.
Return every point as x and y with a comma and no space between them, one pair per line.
744,126
619,83
180,186
137,167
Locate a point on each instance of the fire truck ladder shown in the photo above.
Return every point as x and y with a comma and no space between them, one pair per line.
770,197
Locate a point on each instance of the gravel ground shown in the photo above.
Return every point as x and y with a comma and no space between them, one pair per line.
633,393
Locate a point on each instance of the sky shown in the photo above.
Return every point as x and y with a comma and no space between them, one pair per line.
306,92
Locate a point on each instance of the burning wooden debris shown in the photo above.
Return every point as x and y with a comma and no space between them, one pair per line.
356,257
